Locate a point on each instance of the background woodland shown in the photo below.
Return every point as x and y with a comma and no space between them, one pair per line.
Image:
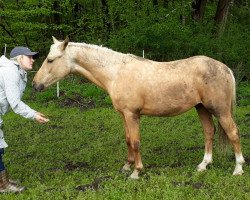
165,29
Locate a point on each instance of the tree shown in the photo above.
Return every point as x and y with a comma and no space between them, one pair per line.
222,14
198,11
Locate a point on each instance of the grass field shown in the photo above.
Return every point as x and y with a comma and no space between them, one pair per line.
79,153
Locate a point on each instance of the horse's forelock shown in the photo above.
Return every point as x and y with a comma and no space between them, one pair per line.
54,51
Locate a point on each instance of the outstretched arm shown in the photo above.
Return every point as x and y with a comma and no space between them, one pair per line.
39,117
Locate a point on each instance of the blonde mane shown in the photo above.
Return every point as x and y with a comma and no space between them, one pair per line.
105,54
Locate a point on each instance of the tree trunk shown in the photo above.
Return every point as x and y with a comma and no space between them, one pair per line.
198,11
221,15
222,11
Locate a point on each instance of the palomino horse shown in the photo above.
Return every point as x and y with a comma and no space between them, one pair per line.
139,86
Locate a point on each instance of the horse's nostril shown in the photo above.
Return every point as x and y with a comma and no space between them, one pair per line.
38,87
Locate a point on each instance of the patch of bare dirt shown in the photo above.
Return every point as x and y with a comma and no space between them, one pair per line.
70,166
95,185
76,101
197,185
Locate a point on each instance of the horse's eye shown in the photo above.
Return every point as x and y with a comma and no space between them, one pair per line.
49,60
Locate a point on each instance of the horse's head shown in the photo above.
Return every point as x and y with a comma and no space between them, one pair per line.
55,67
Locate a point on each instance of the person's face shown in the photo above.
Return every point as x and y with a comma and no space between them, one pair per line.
26,62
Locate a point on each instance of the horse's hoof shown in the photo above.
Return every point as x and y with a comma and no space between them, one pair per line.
135,175
238,170
126,168
201,169
123,171
238,173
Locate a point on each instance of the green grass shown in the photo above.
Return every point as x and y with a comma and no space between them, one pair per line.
85,148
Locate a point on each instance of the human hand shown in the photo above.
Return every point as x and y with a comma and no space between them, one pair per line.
41,118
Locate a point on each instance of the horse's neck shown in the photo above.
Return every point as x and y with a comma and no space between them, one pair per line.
97,64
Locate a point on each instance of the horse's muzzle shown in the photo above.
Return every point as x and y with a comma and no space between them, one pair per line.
38,87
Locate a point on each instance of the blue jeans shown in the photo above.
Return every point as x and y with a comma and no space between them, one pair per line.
1,160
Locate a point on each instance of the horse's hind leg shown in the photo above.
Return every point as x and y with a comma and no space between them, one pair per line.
231,130
208,127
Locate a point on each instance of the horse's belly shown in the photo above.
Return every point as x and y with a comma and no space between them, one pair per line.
166,110
170,105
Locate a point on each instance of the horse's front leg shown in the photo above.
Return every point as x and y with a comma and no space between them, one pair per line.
133,140
131,159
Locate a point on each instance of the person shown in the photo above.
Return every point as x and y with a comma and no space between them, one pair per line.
13,79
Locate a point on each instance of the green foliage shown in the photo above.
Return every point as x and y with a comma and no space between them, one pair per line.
243,94
163,29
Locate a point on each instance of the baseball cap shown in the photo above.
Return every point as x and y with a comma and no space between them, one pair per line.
17,51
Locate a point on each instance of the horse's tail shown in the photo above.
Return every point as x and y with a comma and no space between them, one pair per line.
223,139
233,100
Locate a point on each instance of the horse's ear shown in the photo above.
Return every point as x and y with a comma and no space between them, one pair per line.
64,43
54,40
